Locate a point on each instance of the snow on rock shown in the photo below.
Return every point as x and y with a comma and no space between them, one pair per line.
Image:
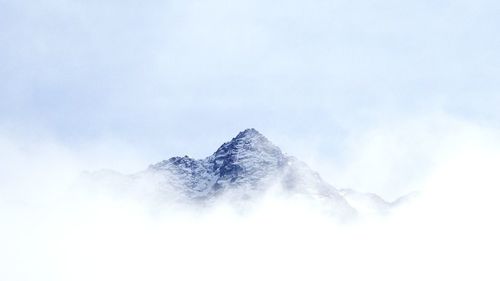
247,168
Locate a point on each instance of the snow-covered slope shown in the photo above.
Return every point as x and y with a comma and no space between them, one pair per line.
245,169
244,162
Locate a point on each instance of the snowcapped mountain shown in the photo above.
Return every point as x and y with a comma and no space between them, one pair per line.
245,169
244,162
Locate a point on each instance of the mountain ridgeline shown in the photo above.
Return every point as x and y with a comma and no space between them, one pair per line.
242,171
248,167
245,161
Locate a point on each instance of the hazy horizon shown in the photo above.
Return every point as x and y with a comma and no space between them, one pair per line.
386,97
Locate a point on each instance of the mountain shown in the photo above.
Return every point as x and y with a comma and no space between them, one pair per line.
366,203
246,168
242,170
244,162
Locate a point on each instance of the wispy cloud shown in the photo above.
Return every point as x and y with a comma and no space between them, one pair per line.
52,231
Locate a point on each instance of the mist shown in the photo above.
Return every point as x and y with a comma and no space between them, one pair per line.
53,229
388,97
164,74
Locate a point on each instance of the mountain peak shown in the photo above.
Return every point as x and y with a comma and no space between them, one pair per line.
246,141
243,167
251,132
250,137
246,160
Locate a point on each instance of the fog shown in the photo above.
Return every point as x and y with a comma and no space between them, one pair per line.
53,230
388,97
179,76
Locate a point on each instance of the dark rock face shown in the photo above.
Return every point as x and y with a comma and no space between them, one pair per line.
245,160
245,167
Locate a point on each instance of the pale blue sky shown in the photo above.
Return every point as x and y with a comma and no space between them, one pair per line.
180,77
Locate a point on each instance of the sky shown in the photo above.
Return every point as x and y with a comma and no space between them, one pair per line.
363,91
381,96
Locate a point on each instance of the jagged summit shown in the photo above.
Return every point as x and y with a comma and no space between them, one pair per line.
249,139
247,148
246,167
245,160
251,135
247,143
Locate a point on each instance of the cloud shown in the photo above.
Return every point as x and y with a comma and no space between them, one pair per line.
53,232
379,96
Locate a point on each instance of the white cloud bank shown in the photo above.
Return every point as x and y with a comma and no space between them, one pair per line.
50,232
